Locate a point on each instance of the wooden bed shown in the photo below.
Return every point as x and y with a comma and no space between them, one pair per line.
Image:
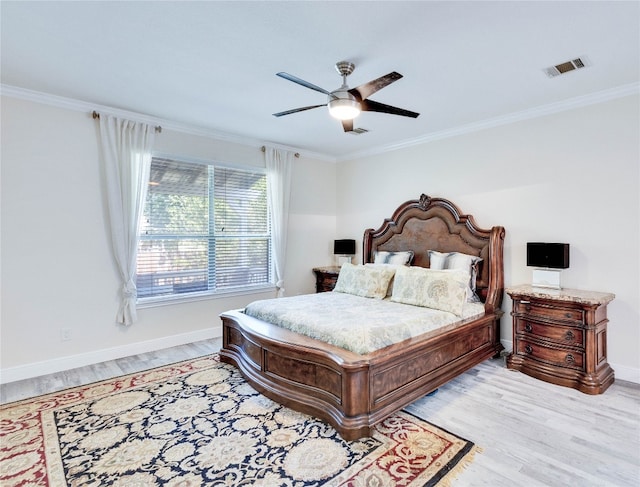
353,392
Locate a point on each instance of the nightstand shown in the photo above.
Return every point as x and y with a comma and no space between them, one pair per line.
560,336
326,278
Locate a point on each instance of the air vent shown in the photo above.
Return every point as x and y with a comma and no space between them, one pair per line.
566,67
358,131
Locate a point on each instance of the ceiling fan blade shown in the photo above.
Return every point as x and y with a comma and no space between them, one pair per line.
347,125
368,89
302,82
374,106
296,110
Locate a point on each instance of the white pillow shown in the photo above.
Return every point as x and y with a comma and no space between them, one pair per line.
365,281
460,261
397,258
445,290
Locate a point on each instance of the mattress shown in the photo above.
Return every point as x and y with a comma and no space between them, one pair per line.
361,325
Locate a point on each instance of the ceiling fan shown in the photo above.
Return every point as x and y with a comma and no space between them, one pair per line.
344,103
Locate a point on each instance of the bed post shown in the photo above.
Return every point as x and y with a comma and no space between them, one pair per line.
496,276
496,283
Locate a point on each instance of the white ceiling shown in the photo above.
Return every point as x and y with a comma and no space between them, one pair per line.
212,65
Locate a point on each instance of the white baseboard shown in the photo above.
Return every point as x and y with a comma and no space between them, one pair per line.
625,373
622,372
37,369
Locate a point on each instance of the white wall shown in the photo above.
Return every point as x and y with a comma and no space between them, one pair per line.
572,177
568,177
57,269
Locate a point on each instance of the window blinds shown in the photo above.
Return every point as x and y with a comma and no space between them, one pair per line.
205,229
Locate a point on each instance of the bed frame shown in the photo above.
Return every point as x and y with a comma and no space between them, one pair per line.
353,392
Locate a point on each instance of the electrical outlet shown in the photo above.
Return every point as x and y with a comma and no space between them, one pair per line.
65,334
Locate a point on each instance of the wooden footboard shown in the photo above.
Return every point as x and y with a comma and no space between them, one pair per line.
351,392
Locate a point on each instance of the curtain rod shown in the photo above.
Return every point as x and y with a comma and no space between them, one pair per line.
97,115
263,148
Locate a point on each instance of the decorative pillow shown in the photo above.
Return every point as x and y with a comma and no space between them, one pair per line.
445,290
386,266
458,260
360,280
398,258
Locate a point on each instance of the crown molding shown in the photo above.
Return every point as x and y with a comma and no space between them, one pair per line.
544,110
84,106
541,111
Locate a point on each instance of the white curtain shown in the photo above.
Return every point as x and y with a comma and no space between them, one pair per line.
126,157
279,164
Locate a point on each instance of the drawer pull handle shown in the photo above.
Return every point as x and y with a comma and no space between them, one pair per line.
528,349
569,359
569,336
528,328
567,315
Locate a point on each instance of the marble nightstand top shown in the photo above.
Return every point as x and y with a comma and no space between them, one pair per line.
564,294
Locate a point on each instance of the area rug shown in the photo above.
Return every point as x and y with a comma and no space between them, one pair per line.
198,423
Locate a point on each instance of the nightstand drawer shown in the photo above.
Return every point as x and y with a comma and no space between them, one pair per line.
562,358
558,334
326,278
555,313
326,283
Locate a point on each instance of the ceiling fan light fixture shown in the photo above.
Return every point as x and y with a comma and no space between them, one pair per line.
344,108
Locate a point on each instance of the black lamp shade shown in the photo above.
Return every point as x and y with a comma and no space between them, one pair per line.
552,255
344,247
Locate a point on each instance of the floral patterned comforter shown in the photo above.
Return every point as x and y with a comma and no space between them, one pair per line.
361,325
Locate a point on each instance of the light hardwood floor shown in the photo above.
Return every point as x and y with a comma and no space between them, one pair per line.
15,391
531,433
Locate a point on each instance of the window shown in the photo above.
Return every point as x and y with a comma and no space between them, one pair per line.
205,229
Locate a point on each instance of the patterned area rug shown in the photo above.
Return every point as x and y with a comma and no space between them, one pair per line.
198,423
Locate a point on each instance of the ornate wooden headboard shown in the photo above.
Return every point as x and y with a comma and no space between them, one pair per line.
437,224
